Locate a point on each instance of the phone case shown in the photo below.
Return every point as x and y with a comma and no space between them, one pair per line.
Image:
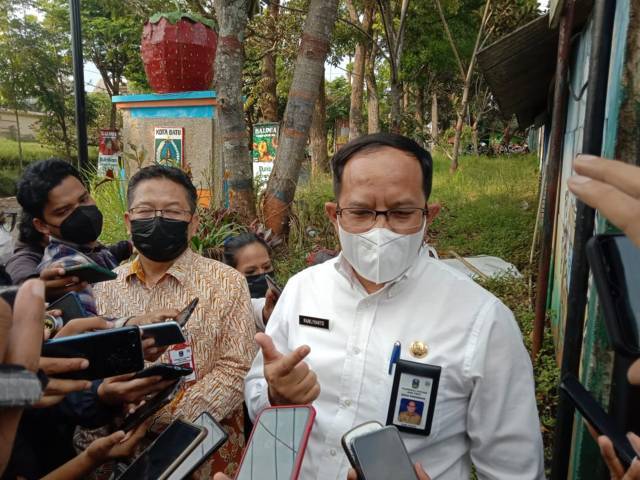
598,418
347,447
595,255
164,333
410,473
91,273
184,315
70,305
110,352
303,443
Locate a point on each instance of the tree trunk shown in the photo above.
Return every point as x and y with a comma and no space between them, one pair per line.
269,97
318,135
305,86
396,106
373,107
18,136
474,130
434,117
232,18
419,110
467,87
356,119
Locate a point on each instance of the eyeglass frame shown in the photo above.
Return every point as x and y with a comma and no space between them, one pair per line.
161,210
425,212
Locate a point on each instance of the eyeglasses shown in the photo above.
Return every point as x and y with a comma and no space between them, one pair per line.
401,220
144,213
8,220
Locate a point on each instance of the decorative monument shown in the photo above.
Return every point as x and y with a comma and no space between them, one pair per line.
176,124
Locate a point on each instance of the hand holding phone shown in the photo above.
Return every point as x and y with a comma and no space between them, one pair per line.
164,333
273,285
90,273
164,370
380,454
151,406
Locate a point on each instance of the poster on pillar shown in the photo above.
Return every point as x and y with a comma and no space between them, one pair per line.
108,153
264,150
169,146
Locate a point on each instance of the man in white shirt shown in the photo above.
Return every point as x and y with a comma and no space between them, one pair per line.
331,336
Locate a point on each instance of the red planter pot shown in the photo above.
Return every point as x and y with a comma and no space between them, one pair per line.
178,57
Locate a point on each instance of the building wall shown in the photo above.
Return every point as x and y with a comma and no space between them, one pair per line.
28,124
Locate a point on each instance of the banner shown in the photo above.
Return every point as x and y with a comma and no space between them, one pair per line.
169,146
108,153
265,148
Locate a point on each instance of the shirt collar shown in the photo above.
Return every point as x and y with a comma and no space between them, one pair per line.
177,270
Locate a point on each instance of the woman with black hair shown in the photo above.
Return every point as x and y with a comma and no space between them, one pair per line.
249,254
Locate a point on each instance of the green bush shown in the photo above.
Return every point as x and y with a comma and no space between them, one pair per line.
8,183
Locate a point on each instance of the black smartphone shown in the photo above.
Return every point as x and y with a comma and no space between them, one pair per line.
214,439
277,443
8,294
381,455
110,352
273,285
90,273
151,406
70,306
164,370
615,262
166,453
164,333
348,437
184,315
598,418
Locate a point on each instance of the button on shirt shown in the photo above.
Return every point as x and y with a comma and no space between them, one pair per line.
485,410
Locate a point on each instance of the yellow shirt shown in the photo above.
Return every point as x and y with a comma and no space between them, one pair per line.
221,327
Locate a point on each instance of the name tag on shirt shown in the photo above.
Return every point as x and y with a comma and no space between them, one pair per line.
413,397
313,322
182,355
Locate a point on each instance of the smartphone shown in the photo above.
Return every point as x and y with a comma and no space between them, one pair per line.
277,443
110,352
8,294
273,285
166,453
70,306
598,418
164,333
184,315
214,439
381,455
164,370
90,273
348,437
615,262
151,406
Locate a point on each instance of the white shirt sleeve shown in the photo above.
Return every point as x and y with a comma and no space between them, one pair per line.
258,305
256,394
502,418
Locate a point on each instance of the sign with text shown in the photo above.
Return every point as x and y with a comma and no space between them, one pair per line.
169,146
108,153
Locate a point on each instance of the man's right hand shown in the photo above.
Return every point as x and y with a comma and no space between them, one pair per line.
58,284
156,316
290,380
122,389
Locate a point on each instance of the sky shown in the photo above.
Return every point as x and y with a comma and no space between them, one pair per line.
92,76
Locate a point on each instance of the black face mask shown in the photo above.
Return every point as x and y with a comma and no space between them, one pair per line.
160,239
258,285
83,226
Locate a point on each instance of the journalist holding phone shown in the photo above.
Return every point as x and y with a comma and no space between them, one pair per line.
613,188
384,328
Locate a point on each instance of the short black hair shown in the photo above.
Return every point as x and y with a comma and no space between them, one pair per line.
234,244
376,141
34,186
170,173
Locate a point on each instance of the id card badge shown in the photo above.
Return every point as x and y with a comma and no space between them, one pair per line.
413,397
181,355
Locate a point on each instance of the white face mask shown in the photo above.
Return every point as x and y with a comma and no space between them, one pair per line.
380,255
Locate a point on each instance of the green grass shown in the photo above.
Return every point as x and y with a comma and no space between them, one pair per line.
488,207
